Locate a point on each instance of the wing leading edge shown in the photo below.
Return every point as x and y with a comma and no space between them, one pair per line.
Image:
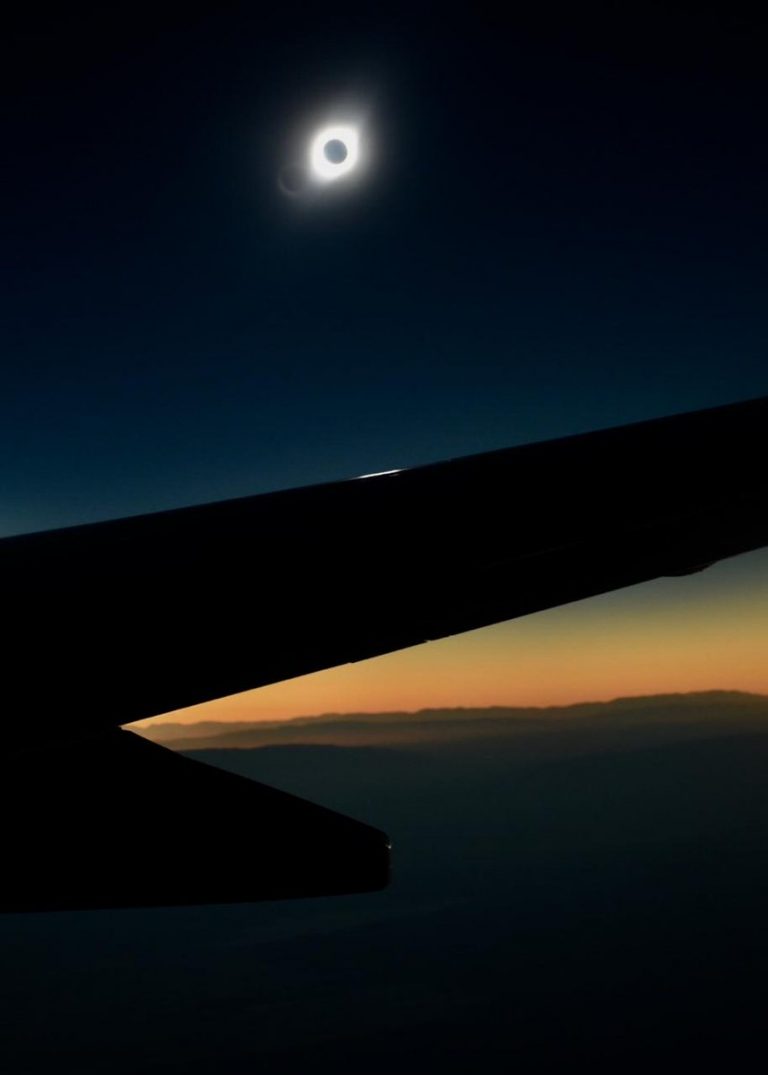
113,622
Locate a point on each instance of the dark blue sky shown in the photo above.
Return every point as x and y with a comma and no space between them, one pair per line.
564,227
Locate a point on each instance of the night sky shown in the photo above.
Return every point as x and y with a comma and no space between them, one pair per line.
561,225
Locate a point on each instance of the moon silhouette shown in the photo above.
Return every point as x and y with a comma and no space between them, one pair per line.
335,151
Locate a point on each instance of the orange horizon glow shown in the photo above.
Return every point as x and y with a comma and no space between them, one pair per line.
703,632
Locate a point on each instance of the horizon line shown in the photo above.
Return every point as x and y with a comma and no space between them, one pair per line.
150,721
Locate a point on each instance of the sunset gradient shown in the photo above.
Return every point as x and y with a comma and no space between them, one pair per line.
706,631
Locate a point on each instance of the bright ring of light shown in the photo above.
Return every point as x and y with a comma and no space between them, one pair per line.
321,166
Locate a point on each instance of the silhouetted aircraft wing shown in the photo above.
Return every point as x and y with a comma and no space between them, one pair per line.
113,622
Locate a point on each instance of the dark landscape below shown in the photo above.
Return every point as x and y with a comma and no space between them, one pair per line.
575,886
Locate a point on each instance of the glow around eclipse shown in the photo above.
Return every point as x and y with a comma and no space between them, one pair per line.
334,152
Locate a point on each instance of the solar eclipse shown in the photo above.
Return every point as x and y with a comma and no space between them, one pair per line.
334,152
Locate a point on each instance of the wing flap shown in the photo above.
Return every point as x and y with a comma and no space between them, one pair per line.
117,821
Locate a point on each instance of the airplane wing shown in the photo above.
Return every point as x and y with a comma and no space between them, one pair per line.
118,621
